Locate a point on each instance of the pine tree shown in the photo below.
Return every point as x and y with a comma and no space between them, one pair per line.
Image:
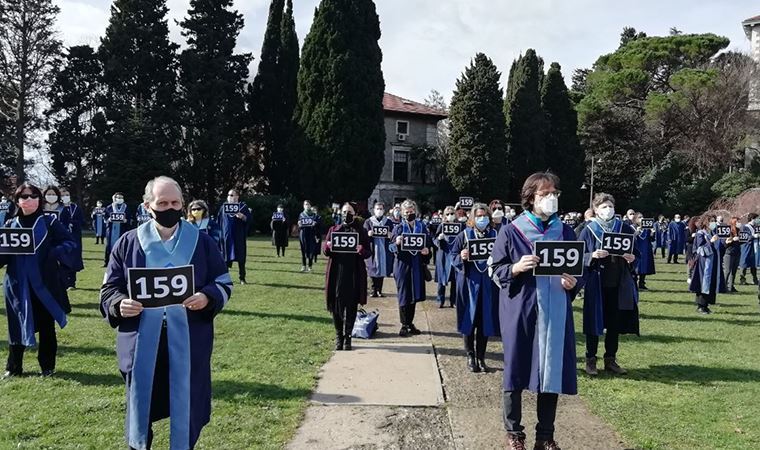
564,154
212,81
340,95
477,144
526,123
140,81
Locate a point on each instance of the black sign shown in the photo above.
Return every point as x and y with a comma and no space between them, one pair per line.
436,220
452,228
118,217
466,202
142,218
480,249
5,207
16,241
745,236
344,242
723,231
647,223
380,231
305,222
278,217
412,242
56,214
231,208
617,243
156,287
558,257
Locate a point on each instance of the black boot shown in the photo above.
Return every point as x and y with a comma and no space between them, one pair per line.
347,343
338,342
472,363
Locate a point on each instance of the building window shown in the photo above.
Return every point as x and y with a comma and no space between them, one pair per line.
400,166
402,127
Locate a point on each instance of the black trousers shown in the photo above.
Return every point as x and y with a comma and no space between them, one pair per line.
642,280
611,336
753,271
47,344
377,284
241,268
673,257
307,257
662,250
730,267
344,316
281,249
406,314
476,341
546,409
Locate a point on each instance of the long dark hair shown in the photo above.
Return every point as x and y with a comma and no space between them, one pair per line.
54,189
35,191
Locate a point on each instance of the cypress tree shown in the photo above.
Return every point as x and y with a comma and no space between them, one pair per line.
526,123
289,65
140,82
564,153
340,103
213,80
477,143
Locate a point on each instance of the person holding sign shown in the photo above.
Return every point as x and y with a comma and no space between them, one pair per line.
497,214
535,313
445,235
477,295
750,258
7,209
33,248
410,242
643,243
73,212
142,214
165,283
279,225
676,239
380,263
53,206
732,256
98,217
346,247
708,278
317,233
118,222
234,218
610,300
198,215
661,235
307,236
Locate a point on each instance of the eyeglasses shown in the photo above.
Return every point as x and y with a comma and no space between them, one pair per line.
556,193
197,209
28,196
498,208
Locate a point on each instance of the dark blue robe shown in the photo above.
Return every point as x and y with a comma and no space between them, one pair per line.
210,227
750,256
708,277
661,235
676,238
98,217
308,235
645,262
519,312
234,233
280,229
142,215
73,219
408,267
475,289
115,230
380,263
444,272
211,278
6,210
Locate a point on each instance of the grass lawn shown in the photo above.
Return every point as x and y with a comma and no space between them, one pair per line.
270,342
693,381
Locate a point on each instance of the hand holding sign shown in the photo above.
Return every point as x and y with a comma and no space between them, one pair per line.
617,244
156,287
412,242
16,241
344,242
723,231
559,258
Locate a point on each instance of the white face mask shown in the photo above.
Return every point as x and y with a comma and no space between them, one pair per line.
279,210
605,212
51,198
66,199
379,212
549,205
498,214
451,217
463,219
231,199
307,208
118,201
99,205
677,219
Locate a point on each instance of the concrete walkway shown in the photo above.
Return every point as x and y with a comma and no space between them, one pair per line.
416,393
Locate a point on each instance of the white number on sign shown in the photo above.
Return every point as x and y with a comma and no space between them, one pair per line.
414,241
616,243
481,248
162,286
344,241
561,257
14,240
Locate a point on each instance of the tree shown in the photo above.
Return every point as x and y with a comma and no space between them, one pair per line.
140,101
28,50
526,122
340,103
477,163
630,34
564,153
440,154
77,122
212,86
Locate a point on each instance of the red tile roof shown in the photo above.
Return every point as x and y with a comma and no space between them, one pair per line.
395,103
752,20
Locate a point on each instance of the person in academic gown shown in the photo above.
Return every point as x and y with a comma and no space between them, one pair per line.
116,229
164,353
732,256
410,267
75,216
661,235
535,313
643,243
7,209
308,230
610,298
98,217
318,224
235,232
35,299
380,262
199,215
142,215
53,206
279,225
445,275
497,214
477,295
708,278
676,239
346,277
750,254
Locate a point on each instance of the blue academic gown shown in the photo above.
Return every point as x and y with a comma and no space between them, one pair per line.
6,211
142,215
75,223
750,255
115,230
676,238
308,234
475,289
534,358
661,235
444,272
645,262
380,263
98,217
408,267
37,278
210,227
234,233
628,295
211,278
708,275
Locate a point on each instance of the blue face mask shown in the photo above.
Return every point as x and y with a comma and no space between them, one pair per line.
713,225
482,222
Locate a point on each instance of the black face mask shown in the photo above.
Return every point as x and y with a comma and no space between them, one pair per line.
168,217
348,218
411,217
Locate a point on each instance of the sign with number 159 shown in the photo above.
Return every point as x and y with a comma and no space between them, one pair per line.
156,287
558,257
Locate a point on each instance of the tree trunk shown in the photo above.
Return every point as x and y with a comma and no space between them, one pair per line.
20,119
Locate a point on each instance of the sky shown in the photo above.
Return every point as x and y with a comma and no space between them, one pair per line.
427,43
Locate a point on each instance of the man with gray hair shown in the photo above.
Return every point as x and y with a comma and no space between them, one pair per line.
165,283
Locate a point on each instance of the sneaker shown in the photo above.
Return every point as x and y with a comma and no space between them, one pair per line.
591,367
303,269
308,269
703,310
